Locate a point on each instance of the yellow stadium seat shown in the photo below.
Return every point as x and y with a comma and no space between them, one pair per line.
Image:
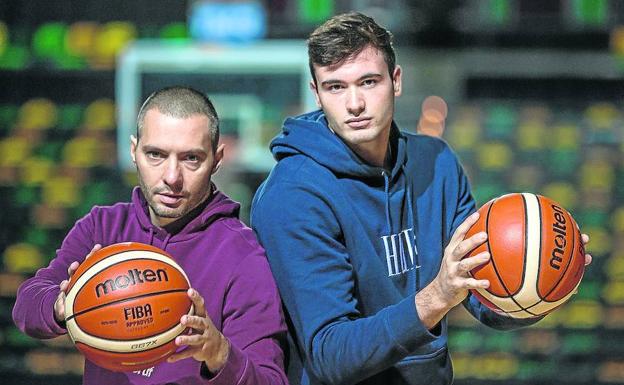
110,40
494,156
36,171
100,115
562,192
532,136
60,191
565,137
14,151
80,38
23,258
81,152
37,114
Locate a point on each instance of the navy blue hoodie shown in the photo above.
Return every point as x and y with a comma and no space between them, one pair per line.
351,244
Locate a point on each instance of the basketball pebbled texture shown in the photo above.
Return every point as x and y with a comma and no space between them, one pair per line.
537,255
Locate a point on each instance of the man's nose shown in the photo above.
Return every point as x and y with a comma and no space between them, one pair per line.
173,174
355,102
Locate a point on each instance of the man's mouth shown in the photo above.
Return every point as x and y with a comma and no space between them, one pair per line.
170,199
358,122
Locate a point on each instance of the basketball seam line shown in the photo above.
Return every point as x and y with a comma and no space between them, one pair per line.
123,300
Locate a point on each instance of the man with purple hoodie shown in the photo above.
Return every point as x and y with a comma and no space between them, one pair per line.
238,326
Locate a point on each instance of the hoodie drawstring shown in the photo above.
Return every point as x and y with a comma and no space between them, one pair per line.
151,232
410,221
166,241
387,202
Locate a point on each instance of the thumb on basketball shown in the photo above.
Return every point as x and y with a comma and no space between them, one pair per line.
59,304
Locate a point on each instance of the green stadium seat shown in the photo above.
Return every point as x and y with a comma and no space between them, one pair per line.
531,369
579,343
174,31
500,122
8,114
501,342
465,340
70,117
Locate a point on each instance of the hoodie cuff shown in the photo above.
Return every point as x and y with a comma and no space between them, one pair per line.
47,314
406,328
234,369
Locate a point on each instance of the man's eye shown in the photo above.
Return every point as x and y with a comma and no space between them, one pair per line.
153,154
369,82
334,87
192,158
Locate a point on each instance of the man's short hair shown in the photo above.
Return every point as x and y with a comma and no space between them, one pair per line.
181,102
344,36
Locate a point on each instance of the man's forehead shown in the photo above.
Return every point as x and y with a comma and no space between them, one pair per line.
166,128
368,59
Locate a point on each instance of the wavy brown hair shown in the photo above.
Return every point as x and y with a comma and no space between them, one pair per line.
344,36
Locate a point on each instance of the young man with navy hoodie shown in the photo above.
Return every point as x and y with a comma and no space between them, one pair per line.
238,324
364,225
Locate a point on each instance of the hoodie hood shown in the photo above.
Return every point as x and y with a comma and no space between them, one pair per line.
218,206
309,134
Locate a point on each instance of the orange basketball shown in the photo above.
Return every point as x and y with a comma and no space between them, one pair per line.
537,255
123,306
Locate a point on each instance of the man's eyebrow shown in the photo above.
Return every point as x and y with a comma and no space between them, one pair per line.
150,147
365,76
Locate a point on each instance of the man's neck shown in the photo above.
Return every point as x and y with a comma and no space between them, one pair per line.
373,153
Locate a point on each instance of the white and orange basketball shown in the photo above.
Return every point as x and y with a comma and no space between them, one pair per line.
123,306
537,255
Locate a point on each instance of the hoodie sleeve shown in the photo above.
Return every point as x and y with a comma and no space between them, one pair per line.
466,206
316,281
254,324
33,312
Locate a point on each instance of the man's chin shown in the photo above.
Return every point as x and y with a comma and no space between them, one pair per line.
169,213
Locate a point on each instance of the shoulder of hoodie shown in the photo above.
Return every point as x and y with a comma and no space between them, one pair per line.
299,170
102,212
238,234
435,149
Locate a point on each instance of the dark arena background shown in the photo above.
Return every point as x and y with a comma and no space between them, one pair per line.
528,92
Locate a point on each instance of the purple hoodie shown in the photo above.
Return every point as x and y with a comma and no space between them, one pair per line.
223,261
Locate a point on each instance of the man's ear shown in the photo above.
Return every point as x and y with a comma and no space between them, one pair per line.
315,92
218,158
134,143
396,80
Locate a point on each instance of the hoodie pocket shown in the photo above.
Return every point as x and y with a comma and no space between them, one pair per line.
432,369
